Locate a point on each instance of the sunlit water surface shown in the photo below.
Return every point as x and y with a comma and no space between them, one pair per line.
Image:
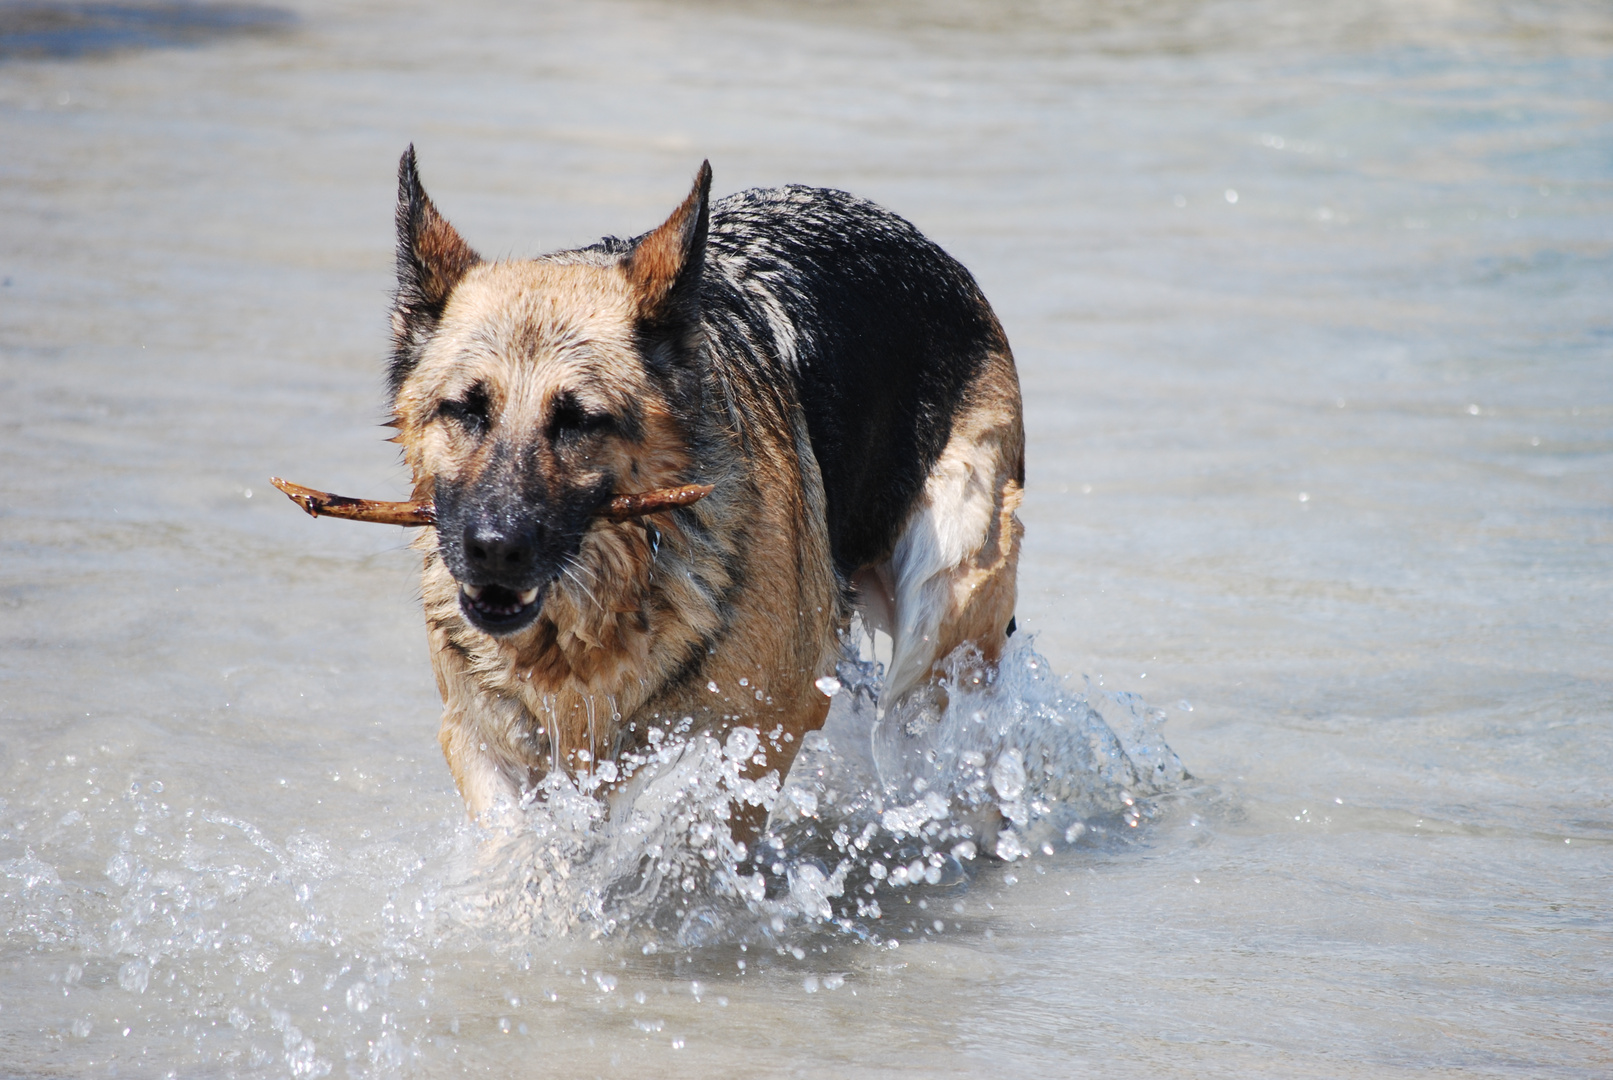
1311,305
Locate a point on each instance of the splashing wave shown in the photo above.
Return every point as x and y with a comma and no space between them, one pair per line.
287,952
1002,763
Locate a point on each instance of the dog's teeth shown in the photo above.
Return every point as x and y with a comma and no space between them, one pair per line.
528,596
472,591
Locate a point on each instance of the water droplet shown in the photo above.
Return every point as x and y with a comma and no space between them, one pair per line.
135,976
829,685
810,984
1008,775
741,744
1009,848
805,801
1232,195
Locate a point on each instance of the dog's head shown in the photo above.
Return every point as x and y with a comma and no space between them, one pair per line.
528,393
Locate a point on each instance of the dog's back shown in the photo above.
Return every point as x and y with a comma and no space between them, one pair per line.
897,362
881,332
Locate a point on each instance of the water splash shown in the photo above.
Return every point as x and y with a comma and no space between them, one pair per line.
235,945
1000,763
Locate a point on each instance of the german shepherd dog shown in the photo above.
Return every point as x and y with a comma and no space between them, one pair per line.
839,380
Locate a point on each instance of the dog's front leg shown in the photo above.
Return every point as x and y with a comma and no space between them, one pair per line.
747,822
483,781
481,736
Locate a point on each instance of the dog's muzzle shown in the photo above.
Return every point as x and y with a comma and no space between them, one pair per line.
506,560
506,552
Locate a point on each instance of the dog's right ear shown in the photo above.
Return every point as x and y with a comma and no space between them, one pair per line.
665,265
432,258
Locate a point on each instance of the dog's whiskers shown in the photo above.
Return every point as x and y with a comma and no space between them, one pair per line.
585,589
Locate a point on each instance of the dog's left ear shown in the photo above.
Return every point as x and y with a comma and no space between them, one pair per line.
665,265
432,258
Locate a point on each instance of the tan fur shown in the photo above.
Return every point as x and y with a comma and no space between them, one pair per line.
952,578
515,707
747,568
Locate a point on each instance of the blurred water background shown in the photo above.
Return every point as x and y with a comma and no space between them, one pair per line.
1313,307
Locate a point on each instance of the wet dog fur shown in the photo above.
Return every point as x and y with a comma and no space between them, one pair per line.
839,379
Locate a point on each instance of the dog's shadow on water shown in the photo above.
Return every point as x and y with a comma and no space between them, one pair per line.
880,829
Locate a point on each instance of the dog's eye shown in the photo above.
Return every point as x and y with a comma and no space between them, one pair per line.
570,418
470,412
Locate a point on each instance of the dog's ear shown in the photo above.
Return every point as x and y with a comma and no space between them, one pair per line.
432,258
665,264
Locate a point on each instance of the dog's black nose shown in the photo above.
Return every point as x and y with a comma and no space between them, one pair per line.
498,553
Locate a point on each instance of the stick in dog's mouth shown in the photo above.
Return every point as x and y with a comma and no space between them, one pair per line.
621,508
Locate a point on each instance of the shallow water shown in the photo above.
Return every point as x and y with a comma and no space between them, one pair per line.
1310,306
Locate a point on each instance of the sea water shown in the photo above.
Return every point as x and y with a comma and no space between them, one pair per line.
1299,766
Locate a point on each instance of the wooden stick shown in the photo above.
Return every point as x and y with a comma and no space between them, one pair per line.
324,504
621,508
628,507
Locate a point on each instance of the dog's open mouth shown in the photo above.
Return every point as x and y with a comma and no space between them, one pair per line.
496,609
